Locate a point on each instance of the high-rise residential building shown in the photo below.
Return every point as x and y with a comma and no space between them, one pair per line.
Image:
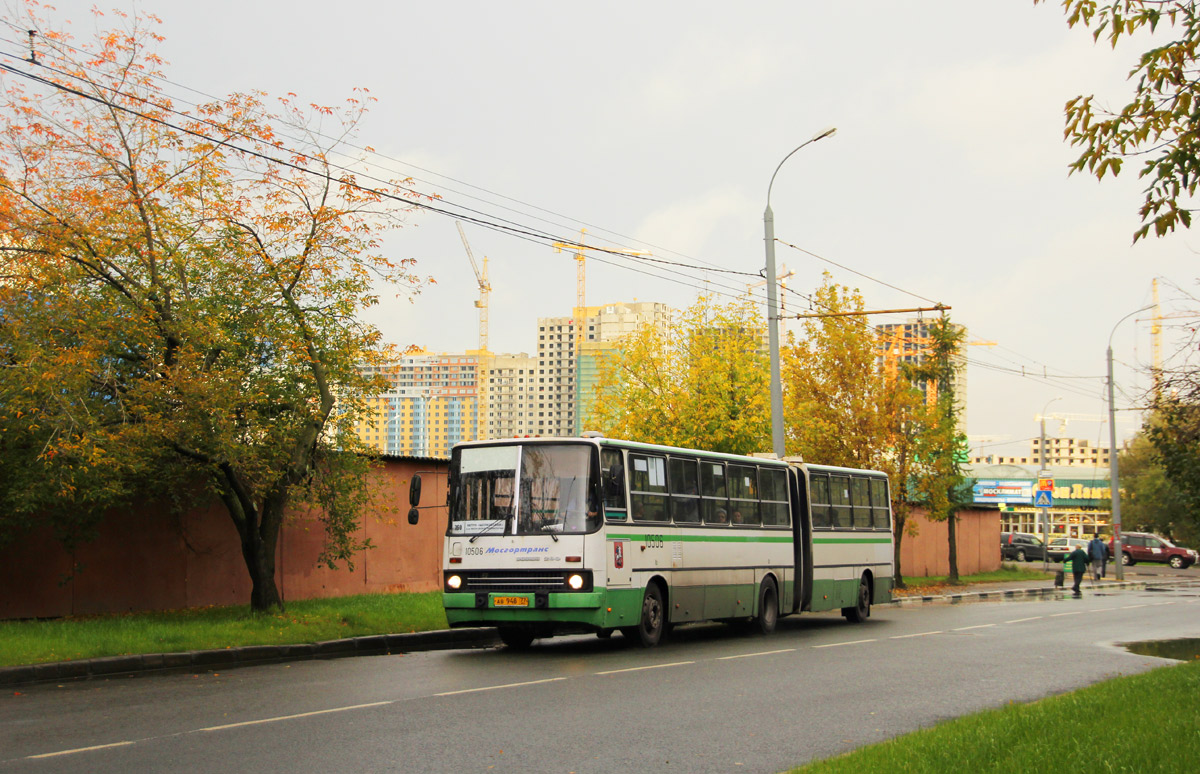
592,357
909,342
559,385
434,401
508,390
431,403
1070,452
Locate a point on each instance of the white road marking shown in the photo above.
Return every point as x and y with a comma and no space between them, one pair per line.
297,715
1130,607
752,655
1023,620
980,626
1060,615
906,636
78,750
839,644
498,687
639,669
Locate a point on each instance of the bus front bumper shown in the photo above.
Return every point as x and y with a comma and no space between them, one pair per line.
520,601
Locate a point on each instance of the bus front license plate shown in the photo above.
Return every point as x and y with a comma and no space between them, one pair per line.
511,601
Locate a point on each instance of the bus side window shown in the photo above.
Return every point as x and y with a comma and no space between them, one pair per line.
860,499
648,488
612,474
839,498
880,505
685,496
772,488
821,515
713,504
743,495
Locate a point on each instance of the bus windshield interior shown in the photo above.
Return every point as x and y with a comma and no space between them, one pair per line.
555,492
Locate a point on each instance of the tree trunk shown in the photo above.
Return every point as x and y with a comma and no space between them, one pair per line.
258,529
898,530
264,593
951,522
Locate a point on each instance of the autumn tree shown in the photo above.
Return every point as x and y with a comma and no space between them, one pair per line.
1150,500
1160,125
701,382
938,476
179,298
843,409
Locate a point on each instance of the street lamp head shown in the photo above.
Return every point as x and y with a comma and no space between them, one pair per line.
831,131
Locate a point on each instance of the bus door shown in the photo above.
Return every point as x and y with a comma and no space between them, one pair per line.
618,561
802,538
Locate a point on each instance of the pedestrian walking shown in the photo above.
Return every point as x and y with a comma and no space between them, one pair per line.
1076,562
1098,551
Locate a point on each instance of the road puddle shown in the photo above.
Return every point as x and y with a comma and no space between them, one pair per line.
1185,649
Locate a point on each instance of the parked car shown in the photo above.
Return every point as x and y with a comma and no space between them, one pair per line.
1147,547
1059,547
1022,546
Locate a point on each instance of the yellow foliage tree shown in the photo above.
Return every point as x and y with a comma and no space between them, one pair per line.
842,409
701,382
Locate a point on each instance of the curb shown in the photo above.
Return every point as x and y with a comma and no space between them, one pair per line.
247,655
1030,593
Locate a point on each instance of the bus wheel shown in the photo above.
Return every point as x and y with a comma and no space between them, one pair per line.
649,631
862,609
516,638
768,608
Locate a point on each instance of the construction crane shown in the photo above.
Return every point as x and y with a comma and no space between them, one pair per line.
581,279
485,288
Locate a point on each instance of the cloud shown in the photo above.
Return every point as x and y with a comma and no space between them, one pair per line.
689,225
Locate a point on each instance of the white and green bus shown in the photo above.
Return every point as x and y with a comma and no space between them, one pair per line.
561,535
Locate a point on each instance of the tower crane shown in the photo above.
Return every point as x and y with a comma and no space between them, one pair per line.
581,279
485,288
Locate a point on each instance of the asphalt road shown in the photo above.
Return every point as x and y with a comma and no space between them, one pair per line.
709,700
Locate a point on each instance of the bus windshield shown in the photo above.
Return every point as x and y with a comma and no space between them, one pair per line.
553,493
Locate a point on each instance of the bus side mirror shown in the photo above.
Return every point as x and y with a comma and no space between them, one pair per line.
414,493
413,515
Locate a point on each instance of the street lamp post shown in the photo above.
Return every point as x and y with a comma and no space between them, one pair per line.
777,440
1045,515
1114,479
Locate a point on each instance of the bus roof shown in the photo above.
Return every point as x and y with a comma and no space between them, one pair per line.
602,441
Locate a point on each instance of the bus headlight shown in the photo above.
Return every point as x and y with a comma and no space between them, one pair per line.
575,582
454,581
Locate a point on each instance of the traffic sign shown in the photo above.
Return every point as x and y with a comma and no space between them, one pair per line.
1043,499
1045,484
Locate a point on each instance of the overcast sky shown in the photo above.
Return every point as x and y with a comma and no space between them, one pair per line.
657,126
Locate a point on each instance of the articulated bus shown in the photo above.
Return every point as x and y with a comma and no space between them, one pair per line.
567,535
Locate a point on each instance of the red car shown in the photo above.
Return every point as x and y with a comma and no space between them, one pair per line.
1145,547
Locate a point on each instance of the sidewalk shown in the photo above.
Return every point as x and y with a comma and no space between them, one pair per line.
449,639
975,592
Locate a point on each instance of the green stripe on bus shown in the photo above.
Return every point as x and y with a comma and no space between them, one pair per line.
707,538
853,540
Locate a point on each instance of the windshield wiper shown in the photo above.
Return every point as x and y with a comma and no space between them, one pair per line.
484,532
545,530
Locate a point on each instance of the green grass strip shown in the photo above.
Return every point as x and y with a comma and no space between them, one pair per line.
206,628
1008,573
1140,723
